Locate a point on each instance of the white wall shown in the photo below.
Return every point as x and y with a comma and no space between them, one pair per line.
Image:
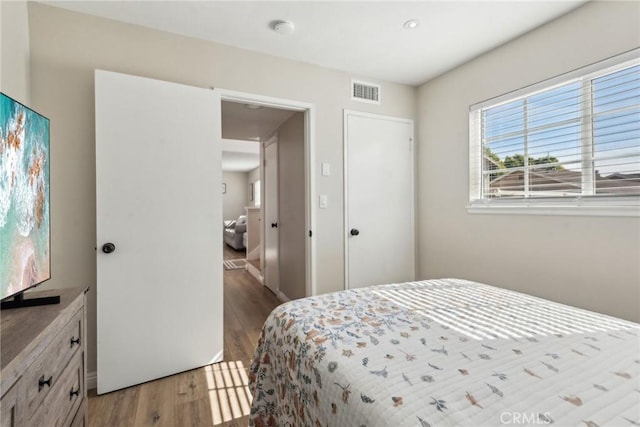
14,50
590,262
291,207
236,198
66,47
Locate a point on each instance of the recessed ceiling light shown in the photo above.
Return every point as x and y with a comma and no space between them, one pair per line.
252,106
284,27
411,24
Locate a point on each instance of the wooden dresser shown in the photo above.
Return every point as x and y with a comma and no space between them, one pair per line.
43,362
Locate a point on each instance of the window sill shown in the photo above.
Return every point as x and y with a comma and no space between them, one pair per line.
554,209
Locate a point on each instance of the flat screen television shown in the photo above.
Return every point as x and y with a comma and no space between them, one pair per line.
25,255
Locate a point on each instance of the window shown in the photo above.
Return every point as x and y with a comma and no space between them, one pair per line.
256,193
570,142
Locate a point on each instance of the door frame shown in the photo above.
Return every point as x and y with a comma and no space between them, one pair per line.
412,239
263,194
309,159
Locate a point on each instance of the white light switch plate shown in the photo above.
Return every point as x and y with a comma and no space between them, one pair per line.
326,169
323,201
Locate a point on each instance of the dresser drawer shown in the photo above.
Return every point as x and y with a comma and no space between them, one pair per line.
8,403
65,397
43,374
79,418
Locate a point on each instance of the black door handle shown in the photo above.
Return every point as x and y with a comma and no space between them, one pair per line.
355,231
107,248
274,225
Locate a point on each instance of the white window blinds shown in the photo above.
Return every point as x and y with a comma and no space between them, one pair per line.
574,137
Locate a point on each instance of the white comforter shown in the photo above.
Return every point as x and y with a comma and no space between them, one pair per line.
443,353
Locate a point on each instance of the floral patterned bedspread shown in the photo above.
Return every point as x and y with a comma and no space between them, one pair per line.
443,353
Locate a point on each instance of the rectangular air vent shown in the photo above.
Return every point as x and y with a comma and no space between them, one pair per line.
365,92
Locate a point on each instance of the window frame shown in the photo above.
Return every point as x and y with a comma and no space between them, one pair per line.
559,205
257,193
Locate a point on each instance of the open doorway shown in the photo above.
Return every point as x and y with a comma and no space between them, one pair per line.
266,192
240,163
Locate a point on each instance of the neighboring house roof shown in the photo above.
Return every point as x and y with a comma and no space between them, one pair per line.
490,162
512,181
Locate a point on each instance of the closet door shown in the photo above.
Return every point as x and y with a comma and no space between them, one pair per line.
380,231
158,220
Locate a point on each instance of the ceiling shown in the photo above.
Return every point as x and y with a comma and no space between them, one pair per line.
240,161
364,38
241,122
242,128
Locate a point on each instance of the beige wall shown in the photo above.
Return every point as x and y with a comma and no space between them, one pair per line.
66,47
291,207
590,262
14,50
236,198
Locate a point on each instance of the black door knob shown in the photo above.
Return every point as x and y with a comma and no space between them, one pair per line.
107,248
355,231
274,225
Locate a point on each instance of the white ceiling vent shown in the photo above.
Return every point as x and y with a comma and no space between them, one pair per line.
365,92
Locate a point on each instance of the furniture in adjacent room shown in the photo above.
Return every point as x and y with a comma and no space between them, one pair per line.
43,362
233,232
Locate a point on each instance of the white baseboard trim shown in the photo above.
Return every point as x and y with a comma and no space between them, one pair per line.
92,380
255,273
282,297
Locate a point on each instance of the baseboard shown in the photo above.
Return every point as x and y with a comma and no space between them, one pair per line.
282,297
255,272
92,380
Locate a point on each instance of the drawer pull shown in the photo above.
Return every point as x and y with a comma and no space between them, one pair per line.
42,382
73,392
75,341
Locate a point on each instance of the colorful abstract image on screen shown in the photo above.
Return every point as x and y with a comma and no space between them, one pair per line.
24,197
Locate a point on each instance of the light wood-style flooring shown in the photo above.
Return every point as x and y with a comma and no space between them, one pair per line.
215,395
229,253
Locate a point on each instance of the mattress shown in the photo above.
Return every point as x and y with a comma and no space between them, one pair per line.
444,352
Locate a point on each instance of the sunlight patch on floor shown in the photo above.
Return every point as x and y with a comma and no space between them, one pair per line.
228,391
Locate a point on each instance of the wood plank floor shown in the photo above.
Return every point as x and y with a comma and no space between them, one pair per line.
229,253
215,395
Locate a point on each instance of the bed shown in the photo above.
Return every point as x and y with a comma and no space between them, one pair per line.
446,352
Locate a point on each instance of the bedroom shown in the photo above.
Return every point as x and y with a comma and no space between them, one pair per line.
587,261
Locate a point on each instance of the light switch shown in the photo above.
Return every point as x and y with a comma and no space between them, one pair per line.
326,169
323,201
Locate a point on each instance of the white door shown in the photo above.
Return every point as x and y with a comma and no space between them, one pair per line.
159,291
271,261
379,220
